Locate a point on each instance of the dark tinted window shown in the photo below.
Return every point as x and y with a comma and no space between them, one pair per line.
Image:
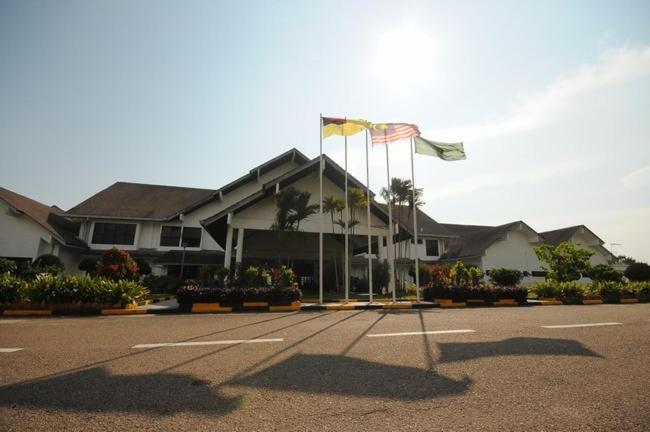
192,237
432,248
170,236
114,233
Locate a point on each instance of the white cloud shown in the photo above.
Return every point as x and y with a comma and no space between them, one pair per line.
638,179
614,68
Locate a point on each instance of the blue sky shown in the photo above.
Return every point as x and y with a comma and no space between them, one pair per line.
552,99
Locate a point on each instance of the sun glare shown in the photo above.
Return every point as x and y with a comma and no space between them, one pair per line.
404,57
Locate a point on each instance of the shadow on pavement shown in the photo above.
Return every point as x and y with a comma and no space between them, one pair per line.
97,390
460,351
335,374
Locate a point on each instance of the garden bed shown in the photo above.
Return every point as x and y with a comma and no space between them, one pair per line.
206,299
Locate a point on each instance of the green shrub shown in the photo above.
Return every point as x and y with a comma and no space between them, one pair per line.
188,295
546,289
380,275
48,260
425,273
89,265
505,277
12,288
7,266
572,292
51,289
603,272
251,277
638,272
611,292
163,284
641,290
468,275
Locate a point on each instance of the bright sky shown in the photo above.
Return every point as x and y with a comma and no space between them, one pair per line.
552,99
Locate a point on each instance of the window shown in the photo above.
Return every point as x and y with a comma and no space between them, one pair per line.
432,248
114,233
170,236
192,237
175,236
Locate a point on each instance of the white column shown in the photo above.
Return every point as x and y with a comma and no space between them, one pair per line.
228,252
381,252
240,245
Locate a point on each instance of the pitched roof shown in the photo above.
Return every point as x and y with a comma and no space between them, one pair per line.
216,226
426,224
555,237
48,217
475,239
124,200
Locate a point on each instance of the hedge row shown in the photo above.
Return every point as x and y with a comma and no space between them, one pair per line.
608,291
48,289
188,295
459,293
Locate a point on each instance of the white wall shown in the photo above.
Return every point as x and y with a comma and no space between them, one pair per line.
262,214
515,252
587,241
21,236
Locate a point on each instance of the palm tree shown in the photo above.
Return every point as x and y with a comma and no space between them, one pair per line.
301,208
399,195
332,205
356,200
284,204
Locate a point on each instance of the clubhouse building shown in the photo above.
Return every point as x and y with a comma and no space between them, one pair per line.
173,226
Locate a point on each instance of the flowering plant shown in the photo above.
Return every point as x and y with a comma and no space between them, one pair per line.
118,264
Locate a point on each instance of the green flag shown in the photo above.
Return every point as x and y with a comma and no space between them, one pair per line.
448,152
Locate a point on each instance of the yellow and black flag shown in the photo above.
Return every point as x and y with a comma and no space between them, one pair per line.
343,127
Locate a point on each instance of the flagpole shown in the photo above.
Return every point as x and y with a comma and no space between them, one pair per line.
415,229
320,203
347,216
389,243
369,224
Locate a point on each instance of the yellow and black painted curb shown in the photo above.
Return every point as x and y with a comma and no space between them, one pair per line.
156,300
245,306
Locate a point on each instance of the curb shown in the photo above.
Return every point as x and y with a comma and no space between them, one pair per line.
131,311
27,312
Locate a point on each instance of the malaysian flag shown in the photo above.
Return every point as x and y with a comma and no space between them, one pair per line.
384,133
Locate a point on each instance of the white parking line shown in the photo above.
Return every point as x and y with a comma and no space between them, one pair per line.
582,325
10,321
433,332
201,343
9,350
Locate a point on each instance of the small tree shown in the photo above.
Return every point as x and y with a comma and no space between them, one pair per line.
603,272
638,272
89,265
425,273
565,262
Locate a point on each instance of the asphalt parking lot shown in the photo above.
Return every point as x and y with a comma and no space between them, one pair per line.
536,368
